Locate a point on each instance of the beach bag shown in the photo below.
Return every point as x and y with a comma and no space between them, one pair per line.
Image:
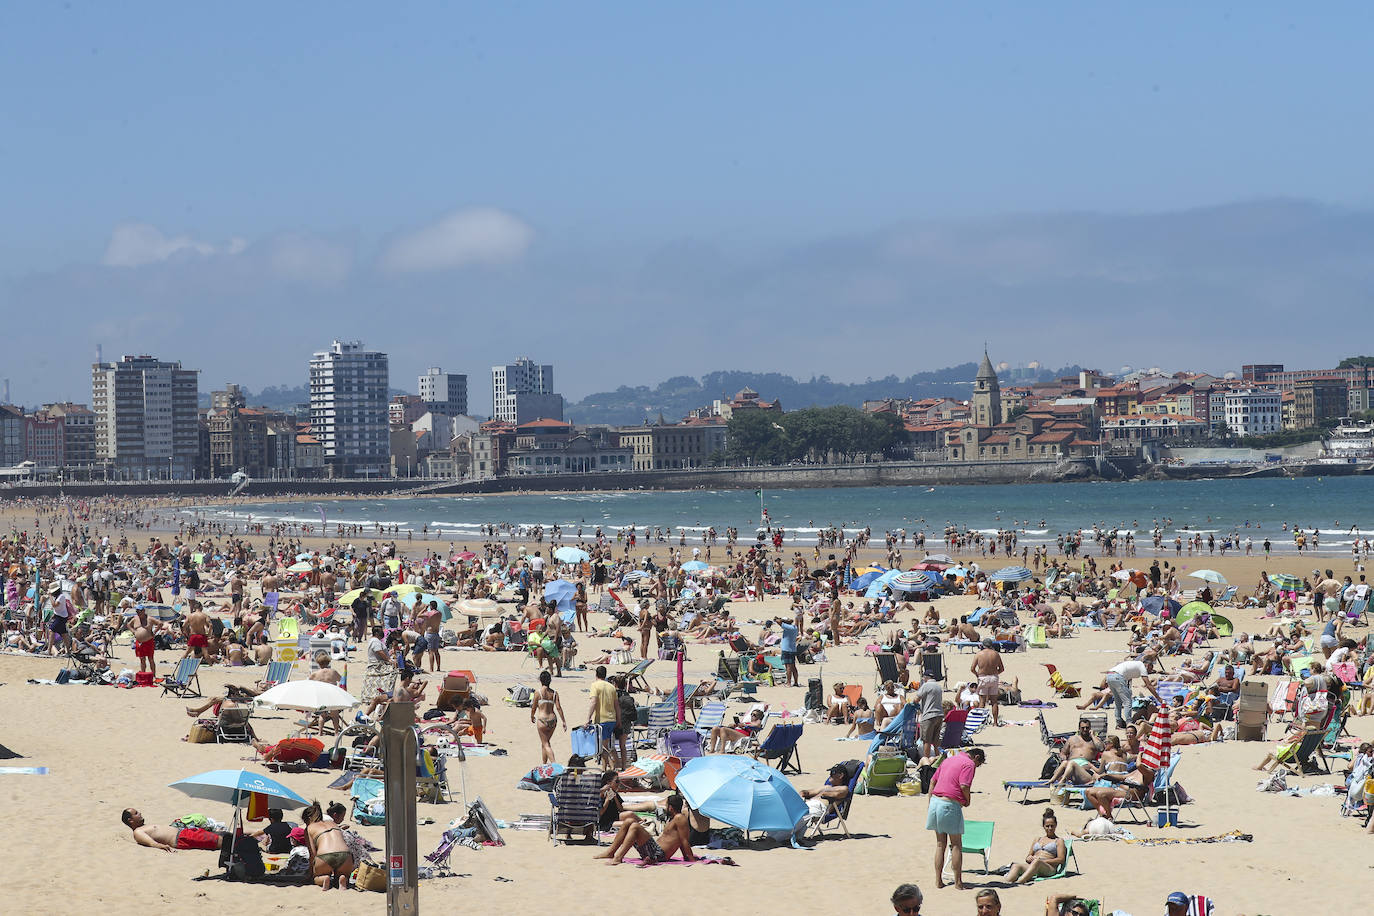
369,877
586,741
813,694
1052,763
520,695
201,734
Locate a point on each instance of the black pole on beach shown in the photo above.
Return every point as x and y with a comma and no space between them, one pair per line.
399,750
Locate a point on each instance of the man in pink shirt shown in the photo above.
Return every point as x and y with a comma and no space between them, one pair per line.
950,790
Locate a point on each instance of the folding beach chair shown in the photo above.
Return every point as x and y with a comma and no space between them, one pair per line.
1052,740
780,744
1035,637
1067,689
953,734
431,778
575,803
977,840
662,718
1069,856
232,724
933,665
185,680
277,673
634,677
977,718
837,811
883,772
711,715
886,664
1358,612
1024,786
683,743
368,800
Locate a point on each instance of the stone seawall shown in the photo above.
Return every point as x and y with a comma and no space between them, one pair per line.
886,474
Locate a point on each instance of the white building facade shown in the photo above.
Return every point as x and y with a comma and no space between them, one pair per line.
523,392
444,392
146,418
1253,412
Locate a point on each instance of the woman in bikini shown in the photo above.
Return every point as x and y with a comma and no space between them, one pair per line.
545,711
863,720
1045,856
331,862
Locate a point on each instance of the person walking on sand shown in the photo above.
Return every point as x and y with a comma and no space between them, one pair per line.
545,711
605,714
987,667
950,794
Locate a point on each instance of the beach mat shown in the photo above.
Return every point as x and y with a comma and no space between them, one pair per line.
23,771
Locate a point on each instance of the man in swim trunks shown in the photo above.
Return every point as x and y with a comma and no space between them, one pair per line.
143,638
987,667
197,632
1080,756
169,839
676,837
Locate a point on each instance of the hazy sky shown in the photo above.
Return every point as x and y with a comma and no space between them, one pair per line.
632,191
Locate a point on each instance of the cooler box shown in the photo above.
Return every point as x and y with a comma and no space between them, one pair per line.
143,678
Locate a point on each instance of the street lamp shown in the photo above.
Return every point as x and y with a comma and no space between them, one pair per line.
169,467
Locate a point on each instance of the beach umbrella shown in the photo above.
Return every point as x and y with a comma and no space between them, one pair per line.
880,584
571,555
1286,581
694,566
479,607
1012,574
464,556
957,572
301,567
1191,610
410,599
304,556
563,593
911,581
405,588
741,792
932,567
865,580
307,696
634,574
937,558
347,598
159,611
1209,575
233,787
865,570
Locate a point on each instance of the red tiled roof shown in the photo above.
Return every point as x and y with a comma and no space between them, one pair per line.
544,423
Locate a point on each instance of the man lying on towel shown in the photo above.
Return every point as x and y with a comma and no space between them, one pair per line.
169,839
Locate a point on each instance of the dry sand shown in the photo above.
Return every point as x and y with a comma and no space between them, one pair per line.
110,748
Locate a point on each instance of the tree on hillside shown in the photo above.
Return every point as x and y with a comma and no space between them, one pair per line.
1351,362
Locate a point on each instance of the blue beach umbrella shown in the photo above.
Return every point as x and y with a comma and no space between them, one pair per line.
563,593
424,598
571,555
694,566
865,580
1012,574
741,792
233,787
881,584
912,581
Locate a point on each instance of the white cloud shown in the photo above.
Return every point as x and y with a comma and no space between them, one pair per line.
478,235
138,244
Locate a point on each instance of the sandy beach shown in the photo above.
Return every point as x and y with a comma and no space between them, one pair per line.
107,749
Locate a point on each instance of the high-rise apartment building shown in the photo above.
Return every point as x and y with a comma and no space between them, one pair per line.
523,392
445,392
348,409
146,424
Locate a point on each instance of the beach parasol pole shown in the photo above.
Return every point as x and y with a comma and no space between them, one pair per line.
681,700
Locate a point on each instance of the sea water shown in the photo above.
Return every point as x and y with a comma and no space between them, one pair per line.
1339,507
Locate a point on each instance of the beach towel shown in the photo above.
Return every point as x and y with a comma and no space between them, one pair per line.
1154,752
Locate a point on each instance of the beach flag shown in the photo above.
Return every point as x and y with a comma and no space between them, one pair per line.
257,806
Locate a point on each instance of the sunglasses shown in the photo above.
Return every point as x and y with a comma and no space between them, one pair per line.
907,907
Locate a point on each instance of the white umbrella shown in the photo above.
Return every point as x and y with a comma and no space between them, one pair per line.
308,696
1209,575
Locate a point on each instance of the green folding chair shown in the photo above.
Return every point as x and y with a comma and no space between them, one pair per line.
977,840
1064,866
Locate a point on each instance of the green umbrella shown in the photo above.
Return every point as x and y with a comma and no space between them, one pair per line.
1191,610
1286,581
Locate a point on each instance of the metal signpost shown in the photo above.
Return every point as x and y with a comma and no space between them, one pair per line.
399,753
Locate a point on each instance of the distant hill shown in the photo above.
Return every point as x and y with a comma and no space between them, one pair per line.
676,396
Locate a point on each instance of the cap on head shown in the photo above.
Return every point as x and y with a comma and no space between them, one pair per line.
1177,897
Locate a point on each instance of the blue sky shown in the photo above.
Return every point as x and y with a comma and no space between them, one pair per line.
632,191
